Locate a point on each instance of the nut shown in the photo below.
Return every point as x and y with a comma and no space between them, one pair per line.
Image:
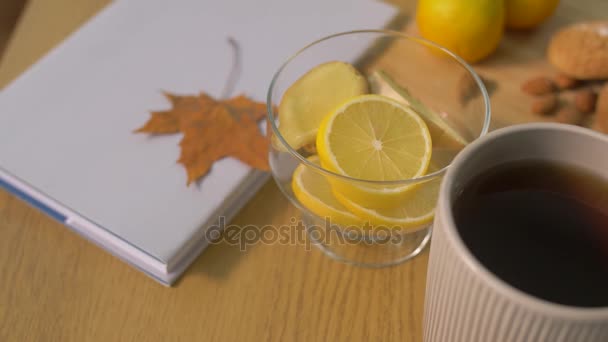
581,50
569,115
538,86
565,82
584,101
545,104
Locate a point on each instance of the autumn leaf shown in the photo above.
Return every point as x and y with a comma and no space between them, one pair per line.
213,129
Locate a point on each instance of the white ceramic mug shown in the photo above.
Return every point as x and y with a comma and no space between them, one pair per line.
464,301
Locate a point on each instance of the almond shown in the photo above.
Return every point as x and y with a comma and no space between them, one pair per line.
584,101
545,104
563,81
538,86
569,115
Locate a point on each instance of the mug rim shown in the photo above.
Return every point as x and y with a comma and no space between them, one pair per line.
506,290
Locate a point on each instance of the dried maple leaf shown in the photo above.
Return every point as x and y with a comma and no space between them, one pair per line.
213,129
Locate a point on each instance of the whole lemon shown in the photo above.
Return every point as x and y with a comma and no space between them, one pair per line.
470,28
525,14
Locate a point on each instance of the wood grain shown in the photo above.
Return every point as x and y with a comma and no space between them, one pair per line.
58,287
43,25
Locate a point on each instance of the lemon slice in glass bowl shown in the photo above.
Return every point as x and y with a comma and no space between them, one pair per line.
442,133
374,138
309,99
415,212
313,191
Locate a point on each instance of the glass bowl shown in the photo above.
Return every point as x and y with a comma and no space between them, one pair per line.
435,80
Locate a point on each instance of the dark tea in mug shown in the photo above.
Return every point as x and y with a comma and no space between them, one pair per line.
541,227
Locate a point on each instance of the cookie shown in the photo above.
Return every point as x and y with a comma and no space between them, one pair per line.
581,50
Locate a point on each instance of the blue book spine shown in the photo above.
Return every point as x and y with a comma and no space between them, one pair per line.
32,201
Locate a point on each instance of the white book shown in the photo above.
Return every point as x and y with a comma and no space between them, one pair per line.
66,125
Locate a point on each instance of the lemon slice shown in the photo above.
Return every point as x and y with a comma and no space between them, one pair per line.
373,137
314,192
442,133
416,212
314,95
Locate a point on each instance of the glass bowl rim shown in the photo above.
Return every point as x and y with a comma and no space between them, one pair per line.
399,35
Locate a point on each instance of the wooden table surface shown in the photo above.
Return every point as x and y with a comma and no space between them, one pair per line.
58,287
